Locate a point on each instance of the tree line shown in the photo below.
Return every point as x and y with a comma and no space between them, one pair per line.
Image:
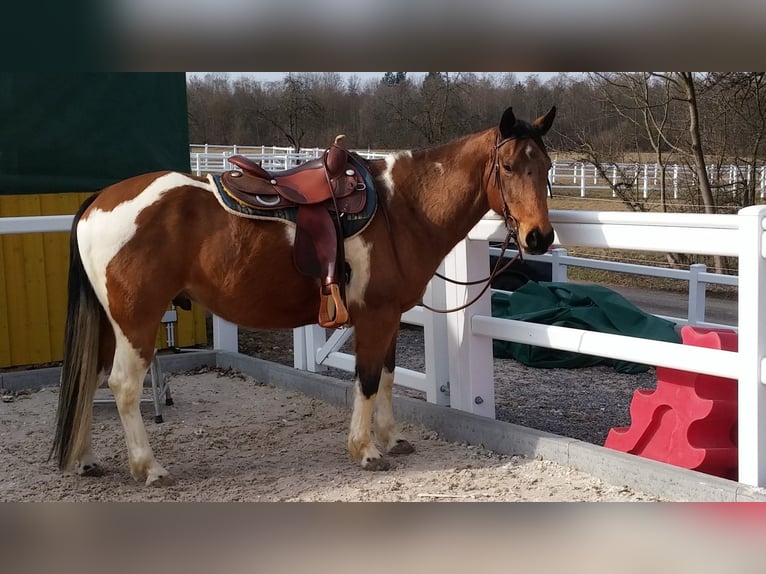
698,119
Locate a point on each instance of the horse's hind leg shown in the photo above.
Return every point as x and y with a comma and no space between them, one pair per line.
385,427
86,463
126,382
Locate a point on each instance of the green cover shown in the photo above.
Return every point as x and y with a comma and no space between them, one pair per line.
589,307
76,132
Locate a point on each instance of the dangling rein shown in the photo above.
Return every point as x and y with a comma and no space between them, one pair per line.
498,268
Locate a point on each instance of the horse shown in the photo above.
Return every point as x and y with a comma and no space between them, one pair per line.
154,238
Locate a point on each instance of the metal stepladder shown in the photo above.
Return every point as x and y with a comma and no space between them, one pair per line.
160,385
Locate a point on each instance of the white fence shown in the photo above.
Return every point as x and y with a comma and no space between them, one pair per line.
458,347
644,178
203,160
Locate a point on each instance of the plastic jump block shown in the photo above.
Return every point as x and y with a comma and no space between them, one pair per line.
690,420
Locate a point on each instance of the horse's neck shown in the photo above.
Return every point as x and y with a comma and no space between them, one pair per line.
440,191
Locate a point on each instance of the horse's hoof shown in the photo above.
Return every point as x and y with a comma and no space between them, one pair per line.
92,469
376,464
160,480
401,446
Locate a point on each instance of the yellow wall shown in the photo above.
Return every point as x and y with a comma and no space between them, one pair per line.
33,286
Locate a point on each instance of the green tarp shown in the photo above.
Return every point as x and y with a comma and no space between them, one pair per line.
589,307
76,132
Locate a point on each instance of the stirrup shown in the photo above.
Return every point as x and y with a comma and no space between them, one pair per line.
332,311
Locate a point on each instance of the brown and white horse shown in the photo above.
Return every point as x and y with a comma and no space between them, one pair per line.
145,241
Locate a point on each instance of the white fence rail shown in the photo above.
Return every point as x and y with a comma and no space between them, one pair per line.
269,157
643,178
458,347
697,277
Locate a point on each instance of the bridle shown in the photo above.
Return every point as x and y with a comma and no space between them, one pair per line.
511,225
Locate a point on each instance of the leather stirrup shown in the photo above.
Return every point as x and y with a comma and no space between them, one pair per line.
332,311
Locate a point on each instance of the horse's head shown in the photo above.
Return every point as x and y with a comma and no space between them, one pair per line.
518,180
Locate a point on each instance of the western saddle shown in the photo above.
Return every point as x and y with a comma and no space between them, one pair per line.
323,190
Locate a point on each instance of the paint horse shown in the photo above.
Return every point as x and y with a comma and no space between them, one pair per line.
159,237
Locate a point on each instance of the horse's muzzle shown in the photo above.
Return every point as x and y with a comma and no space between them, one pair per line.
536,242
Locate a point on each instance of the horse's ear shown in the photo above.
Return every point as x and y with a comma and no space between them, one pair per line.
544,123
507,122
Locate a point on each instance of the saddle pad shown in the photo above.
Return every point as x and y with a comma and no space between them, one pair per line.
351,224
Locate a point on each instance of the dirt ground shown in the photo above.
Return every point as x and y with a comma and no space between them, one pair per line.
231,438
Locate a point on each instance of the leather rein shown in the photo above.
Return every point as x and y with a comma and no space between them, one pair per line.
511,225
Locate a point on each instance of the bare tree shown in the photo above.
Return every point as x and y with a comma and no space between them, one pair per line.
295,109
740,98
645,104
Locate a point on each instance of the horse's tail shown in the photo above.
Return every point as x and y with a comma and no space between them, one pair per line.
79,370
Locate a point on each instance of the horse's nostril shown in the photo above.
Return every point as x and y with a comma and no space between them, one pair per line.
538,242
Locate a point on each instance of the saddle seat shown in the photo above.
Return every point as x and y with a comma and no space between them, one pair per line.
322,190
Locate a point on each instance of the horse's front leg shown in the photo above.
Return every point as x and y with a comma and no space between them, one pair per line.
386,430
375,352
373,333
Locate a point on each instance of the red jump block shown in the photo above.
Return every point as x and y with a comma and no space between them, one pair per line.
690,420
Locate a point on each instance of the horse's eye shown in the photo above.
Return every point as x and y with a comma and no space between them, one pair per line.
507,167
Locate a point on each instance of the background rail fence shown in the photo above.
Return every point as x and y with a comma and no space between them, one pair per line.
641,178
458,346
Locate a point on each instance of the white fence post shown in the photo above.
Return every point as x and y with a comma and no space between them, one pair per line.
472,385
696,308
435,342
300,356
558,267
582,180
752,347
225,335
646,181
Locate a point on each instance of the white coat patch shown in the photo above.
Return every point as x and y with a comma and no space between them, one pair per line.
358,257
387,175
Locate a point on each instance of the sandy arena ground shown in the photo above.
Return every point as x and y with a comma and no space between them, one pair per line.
231,438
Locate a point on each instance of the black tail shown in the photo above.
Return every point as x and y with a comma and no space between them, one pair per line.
79,371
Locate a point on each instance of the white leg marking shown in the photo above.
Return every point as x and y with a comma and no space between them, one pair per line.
126,383
385,426
358,256
386,430
360,444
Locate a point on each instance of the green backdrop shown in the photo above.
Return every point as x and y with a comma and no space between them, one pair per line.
83,131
